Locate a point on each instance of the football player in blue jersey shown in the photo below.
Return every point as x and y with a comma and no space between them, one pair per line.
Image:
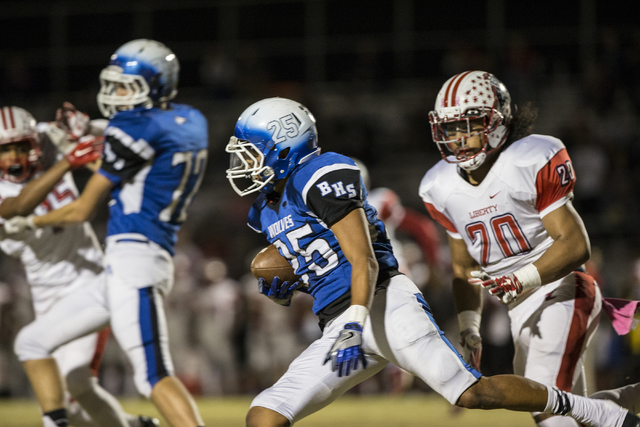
153,163
313,207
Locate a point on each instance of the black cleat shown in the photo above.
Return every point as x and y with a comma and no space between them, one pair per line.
631,420
144,421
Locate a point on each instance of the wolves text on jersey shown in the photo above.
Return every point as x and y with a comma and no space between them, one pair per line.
280,226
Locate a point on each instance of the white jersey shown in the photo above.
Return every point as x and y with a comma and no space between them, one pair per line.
500,220
53,257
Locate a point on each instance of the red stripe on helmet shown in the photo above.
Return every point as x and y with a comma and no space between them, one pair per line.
4,119
13,122
454,93
446,93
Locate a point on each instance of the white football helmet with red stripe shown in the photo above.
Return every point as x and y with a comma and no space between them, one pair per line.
466,97
19,144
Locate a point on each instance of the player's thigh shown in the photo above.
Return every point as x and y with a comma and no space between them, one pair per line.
76,353
558,334
139,264
309,385
138,319
413,341
74,316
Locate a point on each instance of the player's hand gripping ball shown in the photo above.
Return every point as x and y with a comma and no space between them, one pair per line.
269,264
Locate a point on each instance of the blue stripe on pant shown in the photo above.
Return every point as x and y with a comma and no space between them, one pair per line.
156,369
427,310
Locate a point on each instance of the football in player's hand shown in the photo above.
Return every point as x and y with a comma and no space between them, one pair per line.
269,263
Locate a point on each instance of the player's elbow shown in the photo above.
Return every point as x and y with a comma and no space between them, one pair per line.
581,249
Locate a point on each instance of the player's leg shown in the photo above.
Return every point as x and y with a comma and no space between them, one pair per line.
556,329
308,385
139,274
74,360
521,394
414,340
75,315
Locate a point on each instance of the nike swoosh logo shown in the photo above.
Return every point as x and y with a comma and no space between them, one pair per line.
348,337
82,152
549,296
491,197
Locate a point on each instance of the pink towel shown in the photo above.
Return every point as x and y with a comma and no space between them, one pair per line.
621,312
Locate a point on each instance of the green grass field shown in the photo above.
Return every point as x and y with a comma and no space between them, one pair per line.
360,411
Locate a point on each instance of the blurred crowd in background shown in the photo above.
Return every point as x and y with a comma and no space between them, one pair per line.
225,337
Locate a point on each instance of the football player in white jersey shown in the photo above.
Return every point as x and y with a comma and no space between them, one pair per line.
504,196
57,261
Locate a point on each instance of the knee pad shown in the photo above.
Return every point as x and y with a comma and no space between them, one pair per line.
28,346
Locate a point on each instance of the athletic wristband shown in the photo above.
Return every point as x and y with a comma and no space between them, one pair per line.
30,223
357,313
529,277
469,320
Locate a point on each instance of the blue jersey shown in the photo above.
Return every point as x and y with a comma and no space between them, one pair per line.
318,193
155,159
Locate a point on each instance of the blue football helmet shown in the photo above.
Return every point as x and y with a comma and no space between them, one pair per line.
146,69
272,137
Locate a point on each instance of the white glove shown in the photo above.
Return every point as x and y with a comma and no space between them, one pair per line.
18,224
74,122
470,340
59,138
471,348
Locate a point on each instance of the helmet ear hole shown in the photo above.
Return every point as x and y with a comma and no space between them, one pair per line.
284,153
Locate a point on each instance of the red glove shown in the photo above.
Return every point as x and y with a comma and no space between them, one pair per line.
88,150
506,288
74,122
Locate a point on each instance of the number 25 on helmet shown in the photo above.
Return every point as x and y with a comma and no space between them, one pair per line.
271,138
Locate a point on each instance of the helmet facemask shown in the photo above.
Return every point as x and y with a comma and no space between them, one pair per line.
134,91
247,162
451,130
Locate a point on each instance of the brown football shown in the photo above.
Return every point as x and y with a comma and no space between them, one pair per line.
269,263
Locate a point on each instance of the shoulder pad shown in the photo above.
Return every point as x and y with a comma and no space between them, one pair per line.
438,183
533,149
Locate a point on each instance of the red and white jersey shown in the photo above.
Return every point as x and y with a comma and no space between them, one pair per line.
52,256
500,220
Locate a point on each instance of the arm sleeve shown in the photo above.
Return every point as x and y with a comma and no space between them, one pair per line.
123,157
554,182
335,194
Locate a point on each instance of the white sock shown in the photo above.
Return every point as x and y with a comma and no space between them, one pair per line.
584,410
558,422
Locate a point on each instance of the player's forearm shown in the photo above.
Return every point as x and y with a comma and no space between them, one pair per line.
562,257
363,281
72,213
34,192
466,297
